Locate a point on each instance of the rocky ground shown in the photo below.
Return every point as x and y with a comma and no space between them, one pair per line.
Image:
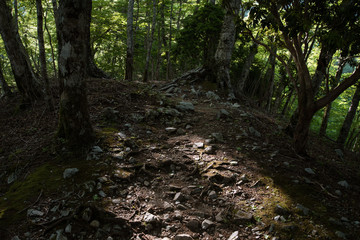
171,162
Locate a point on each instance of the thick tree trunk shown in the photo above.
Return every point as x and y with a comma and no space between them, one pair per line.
43,69
74,122
225,47
20,63
345,129
150,41
130,42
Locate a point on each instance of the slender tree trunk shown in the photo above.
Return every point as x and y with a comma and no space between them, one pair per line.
168,68
5,89
284,110
150,41
325,120
43,69
130,42
270,80
25,78
163,32
51,46
74,121
246,69
344,132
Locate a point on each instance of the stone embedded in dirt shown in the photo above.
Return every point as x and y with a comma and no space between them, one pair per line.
212,95
234,236
206,224
151,218
309,171
281,210
338,192
242,217
65,212
102,194
179,197
185,106
167,206
68,228
279,218
234,163
170,129
103,179
15,238
96,149
69,172
177,215
34,213
218,137
222,114
183,237
180,131
12,178
344,184
254,132
95,224
194,225
198,145
340,234
212,194
302,209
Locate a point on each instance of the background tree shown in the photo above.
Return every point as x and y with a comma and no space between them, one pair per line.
74,122
130,42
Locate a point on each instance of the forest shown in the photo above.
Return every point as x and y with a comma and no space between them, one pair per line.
179,119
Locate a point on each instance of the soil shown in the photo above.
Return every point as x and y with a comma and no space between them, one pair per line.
223,170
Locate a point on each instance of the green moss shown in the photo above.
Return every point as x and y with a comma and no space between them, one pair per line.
22,194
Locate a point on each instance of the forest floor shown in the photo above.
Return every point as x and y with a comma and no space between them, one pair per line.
171,162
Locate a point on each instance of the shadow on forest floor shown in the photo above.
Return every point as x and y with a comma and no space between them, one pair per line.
204,169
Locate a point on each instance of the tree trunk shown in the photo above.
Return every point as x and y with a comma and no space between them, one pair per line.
269,76
130,42
325,120
74,121
92,69
51,46
5,89
344,132
43,69
168,67
150,41
246,69
20,63
225,47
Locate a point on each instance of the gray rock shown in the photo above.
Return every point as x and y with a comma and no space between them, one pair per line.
212,95
254,132
180,131
35,213
68,228
137,117
15,238
281,210
344,184
179,197
234,236
183,237
194,225
69,172
86,216
309,171
12,178
102,194
218,137
302,209
170,129
121,135
95,224
338,192
151,218
340,153
234,163
340,234
96,149
206,224
185,106
199,144
212,195
60,236
243,217
222,114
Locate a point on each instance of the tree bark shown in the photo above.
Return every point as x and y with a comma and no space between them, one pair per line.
345,129
74,121
168,67
43,69
225,46
130,42
246,69
150,41
325,120
25,78
51,46
5,89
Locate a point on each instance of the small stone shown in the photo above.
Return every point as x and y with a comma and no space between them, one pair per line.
167,206
254,132
12,178
95,224
234,163
170,129
281,210
303,209
146,183
103,179
338,192
151,218
179,197
180,131
68,228
286,164
218,137
357,223
109,238
69,172
15,238
96,149
234,236
340,234
27,234
102,194
222,114
309,171
344,219
188,126
185,106
183,237
199,144
194,225
34,213
207,224
209,149
212,195
65,213
344,184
